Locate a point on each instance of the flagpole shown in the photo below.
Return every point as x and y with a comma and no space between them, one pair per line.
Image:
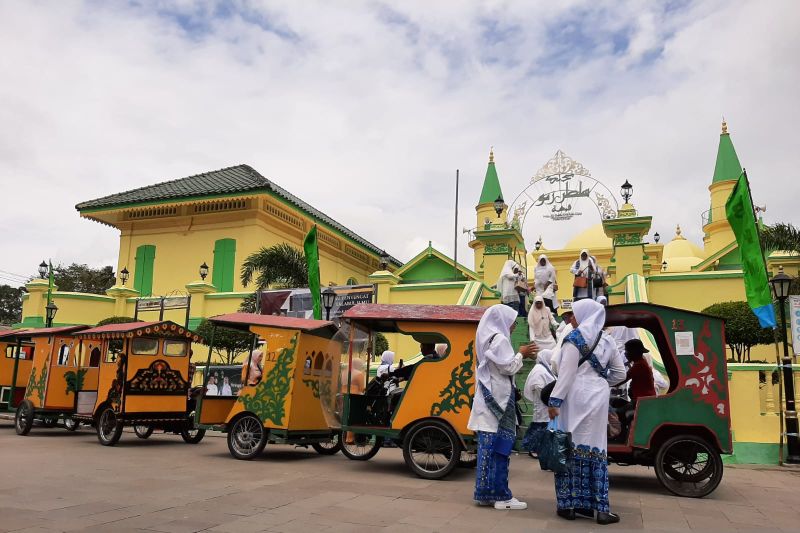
455,235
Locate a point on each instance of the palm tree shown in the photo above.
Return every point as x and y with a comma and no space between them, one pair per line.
781,236
279,266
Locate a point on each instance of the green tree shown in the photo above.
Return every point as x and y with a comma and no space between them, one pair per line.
229,343
780,236
742,330
10,304
83,278
276,267
117,320
380,344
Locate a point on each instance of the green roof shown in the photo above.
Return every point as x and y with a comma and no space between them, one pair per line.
491,185
728,166
230,180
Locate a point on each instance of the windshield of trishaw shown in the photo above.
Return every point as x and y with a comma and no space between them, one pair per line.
338,376
175,348
144,346
115,347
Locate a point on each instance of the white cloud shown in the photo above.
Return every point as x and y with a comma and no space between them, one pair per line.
365,111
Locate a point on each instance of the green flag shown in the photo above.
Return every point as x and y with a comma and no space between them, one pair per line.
312,259
739,209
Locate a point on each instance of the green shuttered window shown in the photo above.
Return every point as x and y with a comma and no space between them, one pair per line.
143,271
224,263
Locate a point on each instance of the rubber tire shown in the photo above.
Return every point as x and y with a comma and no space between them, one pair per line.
714,458
112,438
455,453
237,426
195,438
23,425
70,424
143,434
336,439
364,457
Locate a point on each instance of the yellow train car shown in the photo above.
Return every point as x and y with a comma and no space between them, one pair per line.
16,360
137,374
53,379
274,396
423,407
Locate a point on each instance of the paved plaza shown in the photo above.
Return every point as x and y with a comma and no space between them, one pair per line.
53,480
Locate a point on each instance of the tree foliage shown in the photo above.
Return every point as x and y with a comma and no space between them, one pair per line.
83,278
780,236
117,320
380,344
10,304
742,330
229,343
276,267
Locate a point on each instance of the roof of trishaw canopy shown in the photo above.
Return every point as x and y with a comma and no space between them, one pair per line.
243,321
13,333
60,330
415,313
164,328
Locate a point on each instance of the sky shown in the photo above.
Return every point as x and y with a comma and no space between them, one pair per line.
366,109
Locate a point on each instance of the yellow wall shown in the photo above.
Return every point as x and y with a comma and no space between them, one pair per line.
694,292
718,233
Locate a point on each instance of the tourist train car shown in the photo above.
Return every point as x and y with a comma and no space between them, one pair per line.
683,432
138,374
52,381
16,358
278,401
428,411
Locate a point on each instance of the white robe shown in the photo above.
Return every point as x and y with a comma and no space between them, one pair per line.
540,375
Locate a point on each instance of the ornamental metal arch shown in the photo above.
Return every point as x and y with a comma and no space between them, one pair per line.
554,188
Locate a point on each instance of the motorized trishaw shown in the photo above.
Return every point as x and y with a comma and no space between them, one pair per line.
52,381
683,432
428,413
16,358
136,374
278,400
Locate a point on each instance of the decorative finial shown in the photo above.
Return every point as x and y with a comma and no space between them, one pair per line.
678,231
491,154
724,126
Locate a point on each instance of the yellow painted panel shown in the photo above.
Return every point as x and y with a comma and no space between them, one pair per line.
306,413
155,404
216,410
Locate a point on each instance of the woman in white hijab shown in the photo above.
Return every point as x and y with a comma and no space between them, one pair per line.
542,325
506,284
579,404
541,374
493,416
583,269
544,282
385,368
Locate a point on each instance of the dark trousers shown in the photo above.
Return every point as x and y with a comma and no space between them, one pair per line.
549,304
522,300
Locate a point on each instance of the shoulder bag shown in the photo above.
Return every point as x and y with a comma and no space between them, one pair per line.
547,390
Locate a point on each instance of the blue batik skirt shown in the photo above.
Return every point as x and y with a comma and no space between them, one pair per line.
585,485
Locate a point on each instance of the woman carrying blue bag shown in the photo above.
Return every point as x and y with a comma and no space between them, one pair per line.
493,417
589,361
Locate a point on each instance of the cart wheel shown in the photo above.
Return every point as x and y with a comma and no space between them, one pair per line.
192,435
23,420
469,459
362,448
688,466
70,424
109,428
247,437
50,421
328,447
431,449
142,431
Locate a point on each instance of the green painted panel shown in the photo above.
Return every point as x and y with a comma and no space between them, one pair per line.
431,268
143,271
760,453
223,271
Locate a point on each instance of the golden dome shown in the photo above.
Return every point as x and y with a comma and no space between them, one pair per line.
681,254
592,239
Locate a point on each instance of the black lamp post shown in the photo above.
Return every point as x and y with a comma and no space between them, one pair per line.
328,299
203,271
51,309
499,205
123,275
780,290
384,262
43,270
664,266
656,237
626,191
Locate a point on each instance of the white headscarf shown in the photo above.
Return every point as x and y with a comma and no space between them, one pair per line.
387,358
544,357
591,317
496,321
441,349
542,273
584,264
505,283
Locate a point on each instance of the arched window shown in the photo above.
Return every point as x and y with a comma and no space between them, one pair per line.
307,365
318,361
94,358
352,281
143,271
328,369
63,355
224,263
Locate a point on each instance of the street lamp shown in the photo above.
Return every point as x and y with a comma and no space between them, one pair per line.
626,191
203,271
123,275
384,261
656,237
538,244
51,309
780,284
664,266
499,205
42,270
328,298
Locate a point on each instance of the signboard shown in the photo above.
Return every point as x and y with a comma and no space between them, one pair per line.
794,321
347,297
161,304
684,343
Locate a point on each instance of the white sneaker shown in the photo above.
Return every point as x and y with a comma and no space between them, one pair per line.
513,503
483,504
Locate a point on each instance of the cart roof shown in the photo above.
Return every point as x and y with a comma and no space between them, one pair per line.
165,328
243,321
375,313
60,330
13,333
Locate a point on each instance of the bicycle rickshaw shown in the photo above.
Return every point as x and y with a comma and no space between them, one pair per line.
16,360
52,380
136,374
282,404
429,419
684,432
